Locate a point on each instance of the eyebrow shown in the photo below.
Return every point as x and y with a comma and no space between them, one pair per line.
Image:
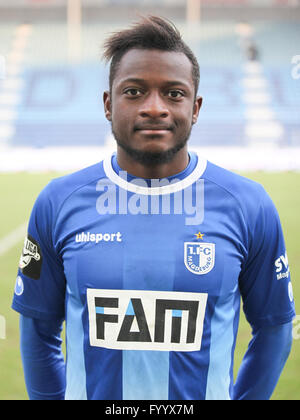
143,81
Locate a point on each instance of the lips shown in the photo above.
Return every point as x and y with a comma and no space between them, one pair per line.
152,128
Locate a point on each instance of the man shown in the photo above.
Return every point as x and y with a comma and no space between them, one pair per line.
147,254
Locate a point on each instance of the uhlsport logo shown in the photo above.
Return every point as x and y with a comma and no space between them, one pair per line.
199,258
98,237
146,320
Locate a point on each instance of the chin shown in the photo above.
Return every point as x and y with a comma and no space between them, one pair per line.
155,151
153,156
156,147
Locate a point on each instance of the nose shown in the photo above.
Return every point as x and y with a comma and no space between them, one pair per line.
153,106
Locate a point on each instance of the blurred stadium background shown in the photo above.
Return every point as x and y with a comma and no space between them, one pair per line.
51,114
51,95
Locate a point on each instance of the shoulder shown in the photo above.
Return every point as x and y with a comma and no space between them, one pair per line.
247,193
58,190
71,182
239,194
244,200
232,182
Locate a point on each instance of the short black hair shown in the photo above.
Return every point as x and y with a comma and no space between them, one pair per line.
151,32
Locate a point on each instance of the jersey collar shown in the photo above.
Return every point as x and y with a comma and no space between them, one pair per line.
133,186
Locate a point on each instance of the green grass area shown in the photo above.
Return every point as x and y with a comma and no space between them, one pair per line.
18,192
284,189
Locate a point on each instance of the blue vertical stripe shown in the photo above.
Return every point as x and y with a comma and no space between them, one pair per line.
221,349
146,373
76,375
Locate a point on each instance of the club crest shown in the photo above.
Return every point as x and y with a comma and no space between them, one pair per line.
199,258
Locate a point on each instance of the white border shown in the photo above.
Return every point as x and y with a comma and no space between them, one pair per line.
149,299
166,189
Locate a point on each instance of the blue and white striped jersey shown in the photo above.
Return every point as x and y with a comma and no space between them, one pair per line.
149,275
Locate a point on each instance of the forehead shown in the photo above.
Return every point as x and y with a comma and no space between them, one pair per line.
155,66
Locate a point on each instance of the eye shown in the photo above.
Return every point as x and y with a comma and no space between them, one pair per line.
175,94
133,92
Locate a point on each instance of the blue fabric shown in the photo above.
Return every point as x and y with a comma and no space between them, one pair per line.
45,370
119,262
43,361
263,363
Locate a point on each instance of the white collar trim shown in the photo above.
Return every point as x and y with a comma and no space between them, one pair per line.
161,190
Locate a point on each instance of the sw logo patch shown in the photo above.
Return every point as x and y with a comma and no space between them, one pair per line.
199,258
31,259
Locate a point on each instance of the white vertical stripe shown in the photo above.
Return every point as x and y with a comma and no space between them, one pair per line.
76,374
222,342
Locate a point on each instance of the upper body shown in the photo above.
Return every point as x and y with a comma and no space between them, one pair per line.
152,308
147,254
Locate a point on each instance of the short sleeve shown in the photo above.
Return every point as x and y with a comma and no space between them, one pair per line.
265,281
40,285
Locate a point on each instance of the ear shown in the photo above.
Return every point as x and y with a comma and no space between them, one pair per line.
197,107
107,105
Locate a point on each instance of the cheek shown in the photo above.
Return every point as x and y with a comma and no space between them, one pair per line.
119,121
121,116
184,122
185,114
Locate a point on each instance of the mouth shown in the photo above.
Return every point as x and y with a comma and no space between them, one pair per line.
154,132
153,129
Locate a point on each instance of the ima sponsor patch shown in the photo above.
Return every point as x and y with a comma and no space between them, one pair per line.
31,259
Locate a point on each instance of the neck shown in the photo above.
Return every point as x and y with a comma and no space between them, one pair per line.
163,170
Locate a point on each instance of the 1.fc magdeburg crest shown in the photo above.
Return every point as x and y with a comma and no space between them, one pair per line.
199,258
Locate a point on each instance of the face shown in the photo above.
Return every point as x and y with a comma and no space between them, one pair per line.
152,104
